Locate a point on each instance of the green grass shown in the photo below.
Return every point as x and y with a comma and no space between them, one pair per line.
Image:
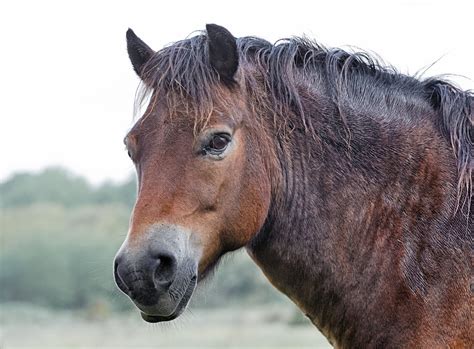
238,327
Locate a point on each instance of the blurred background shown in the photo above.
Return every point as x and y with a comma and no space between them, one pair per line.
67,186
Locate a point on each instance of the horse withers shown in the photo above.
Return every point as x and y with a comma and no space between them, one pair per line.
349,184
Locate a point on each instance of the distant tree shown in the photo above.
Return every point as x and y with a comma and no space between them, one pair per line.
111,192
61,257
51,185
57,185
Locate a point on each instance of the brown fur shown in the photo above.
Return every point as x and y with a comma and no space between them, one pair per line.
348,204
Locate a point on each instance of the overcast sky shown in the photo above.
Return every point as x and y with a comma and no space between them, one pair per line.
67,87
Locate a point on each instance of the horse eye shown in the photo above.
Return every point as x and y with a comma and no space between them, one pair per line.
218,143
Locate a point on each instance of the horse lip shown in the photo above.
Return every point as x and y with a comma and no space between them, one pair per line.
156,318
152,318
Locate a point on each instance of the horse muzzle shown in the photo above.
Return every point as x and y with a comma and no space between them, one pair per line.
158,271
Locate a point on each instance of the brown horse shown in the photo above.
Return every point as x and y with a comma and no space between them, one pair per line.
349,184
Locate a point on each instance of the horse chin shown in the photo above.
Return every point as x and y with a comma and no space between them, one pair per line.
156,318
183,303
209,271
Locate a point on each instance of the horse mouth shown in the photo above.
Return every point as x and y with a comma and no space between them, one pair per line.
151,318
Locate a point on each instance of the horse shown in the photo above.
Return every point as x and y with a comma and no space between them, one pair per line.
348,183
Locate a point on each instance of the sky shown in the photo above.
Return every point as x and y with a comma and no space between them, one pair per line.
67,87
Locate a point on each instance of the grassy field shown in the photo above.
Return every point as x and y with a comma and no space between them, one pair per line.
242,327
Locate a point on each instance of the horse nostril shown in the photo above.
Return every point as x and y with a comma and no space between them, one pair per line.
118,278
165,271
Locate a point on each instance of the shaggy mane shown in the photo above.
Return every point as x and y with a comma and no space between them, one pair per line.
274,76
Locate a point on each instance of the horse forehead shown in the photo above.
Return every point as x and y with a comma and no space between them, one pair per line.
187,124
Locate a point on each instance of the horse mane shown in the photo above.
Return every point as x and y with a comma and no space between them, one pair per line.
274,76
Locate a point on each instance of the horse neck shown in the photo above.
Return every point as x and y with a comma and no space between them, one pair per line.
341,214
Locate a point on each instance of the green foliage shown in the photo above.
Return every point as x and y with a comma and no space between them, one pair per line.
110,192
56,185
59,236
58,257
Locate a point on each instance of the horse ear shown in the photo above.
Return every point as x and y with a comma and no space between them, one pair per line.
223,54
138,51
